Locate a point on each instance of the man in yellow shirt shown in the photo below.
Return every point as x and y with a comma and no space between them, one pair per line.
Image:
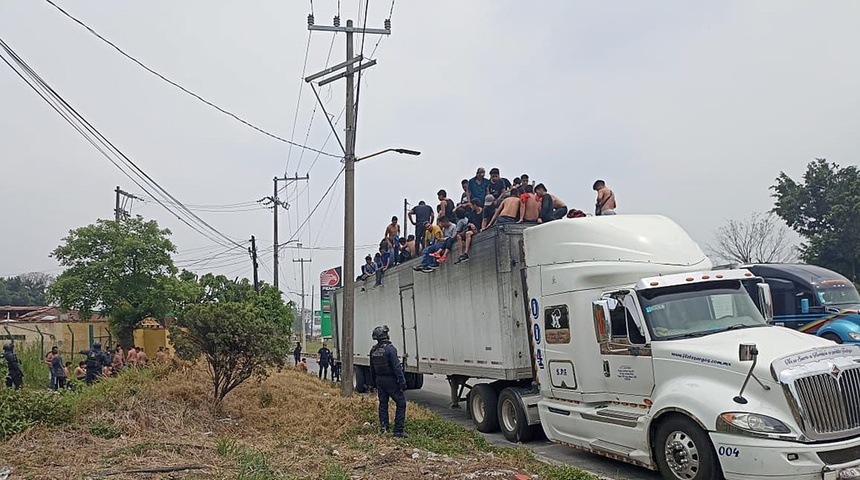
434,239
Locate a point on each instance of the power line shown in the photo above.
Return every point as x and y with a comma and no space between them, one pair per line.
298,103
328,190
183,89
95,138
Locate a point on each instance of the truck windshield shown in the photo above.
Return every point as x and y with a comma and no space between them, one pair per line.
698,309
836,292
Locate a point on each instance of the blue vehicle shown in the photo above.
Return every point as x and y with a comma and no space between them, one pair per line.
812,299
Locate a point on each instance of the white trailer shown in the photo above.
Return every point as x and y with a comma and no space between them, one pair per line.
614,336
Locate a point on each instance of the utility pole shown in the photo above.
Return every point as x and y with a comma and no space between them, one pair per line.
349,183
275,201
302,315
119,212
253,252
405,220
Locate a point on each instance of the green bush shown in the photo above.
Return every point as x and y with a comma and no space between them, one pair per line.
32,364
22,409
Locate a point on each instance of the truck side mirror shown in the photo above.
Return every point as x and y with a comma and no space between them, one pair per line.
747,352
765,301
602,327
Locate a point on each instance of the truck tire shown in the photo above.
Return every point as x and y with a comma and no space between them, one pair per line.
414,381
832,337
684,451
512,418
361,379
483,407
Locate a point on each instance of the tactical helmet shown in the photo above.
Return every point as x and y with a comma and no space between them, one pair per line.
97,345
7,347
380,333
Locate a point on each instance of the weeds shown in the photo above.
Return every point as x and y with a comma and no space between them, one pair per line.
446,438
22,409
335,471
102,429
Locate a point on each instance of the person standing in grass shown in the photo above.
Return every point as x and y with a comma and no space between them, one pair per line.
324,359
58,373
387,372
297,353
16,375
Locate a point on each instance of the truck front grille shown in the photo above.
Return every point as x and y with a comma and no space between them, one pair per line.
829,402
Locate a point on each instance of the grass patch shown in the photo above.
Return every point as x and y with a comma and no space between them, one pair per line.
335,471
445,438
102,429
22,409
563,472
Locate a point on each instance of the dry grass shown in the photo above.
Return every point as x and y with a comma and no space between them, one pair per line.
289,426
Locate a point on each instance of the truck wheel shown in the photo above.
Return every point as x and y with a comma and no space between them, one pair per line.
832,337
483,403
684,451
360,379
512,418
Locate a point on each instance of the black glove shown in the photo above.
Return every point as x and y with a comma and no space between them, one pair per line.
403,387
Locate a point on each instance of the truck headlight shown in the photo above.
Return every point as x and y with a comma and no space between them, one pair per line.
753,422
854,335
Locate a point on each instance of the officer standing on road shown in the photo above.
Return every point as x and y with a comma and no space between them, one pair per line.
96,361
390,382
16,376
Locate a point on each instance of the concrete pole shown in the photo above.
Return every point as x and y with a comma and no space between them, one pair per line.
349,224
275,243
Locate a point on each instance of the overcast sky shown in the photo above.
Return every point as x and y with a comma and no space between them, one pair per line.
687,109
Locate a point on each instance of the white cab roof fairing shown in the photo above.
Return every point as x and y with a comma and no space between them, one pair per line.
652,239
693,277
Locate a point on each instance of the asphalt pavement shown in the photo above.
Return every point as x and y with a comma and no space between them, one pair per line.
434,395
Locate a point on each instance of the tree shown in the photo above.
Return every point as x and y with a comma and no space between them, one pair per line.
235,338
121,268
26,289
825,210
757,239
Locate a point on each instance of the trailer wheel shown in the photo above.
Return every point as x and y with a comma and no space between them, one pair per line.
483,402
512,418
361,379
832,337
684,451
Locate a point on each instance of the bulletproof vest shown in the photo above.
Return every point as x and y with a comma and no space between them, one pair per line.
379,361
13,363
94,360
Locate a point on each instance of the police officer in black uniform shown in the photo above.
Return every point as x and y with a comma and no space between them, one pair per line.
96,361
390,382
16,375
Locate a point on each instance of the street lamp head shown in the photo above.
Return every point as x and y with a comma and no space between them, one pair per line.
407,152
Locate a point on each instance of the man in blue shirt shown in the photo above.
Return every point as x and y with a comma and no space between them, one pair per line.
478,187
419,216
387,373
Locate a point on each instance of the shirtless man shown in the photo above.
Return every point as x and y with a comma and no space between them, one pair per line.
530,209
551,207
605,204
508,211
392,236
142,359
131,357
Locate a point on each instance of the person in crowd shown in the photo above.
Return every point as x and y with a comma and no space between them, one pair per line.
392,236
387,373
116,359
410,244
478,186
48,359
524,180
58,375
142,359
405,253
489,210
324,360
498,186
508,211
551,207
449,237
297,353
96,361
367,270
434,241
605,204
131,357
81,371
15,376
303,365
475,216
445,206
464,197
530,209
419,216
385,262
336,366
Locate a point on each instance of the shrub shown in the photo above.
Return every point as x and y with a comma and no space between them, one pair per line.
22,409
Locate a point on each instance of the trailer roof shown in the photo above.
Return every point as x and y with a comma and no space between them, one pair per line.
617,238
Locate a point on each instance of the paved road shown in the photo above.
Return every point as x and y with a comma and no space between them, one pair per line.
434,395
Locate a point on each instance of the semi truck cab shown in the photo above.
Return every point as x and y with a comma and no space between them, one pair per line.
645,354
813,299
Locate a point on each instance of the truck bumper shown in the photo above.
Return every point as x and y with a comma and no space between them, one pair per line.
757,458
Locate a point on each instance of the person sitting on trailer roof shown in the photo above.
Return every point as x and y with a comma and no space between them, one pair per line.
449,236
405,253
384,263
475,214
434,239
367,270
